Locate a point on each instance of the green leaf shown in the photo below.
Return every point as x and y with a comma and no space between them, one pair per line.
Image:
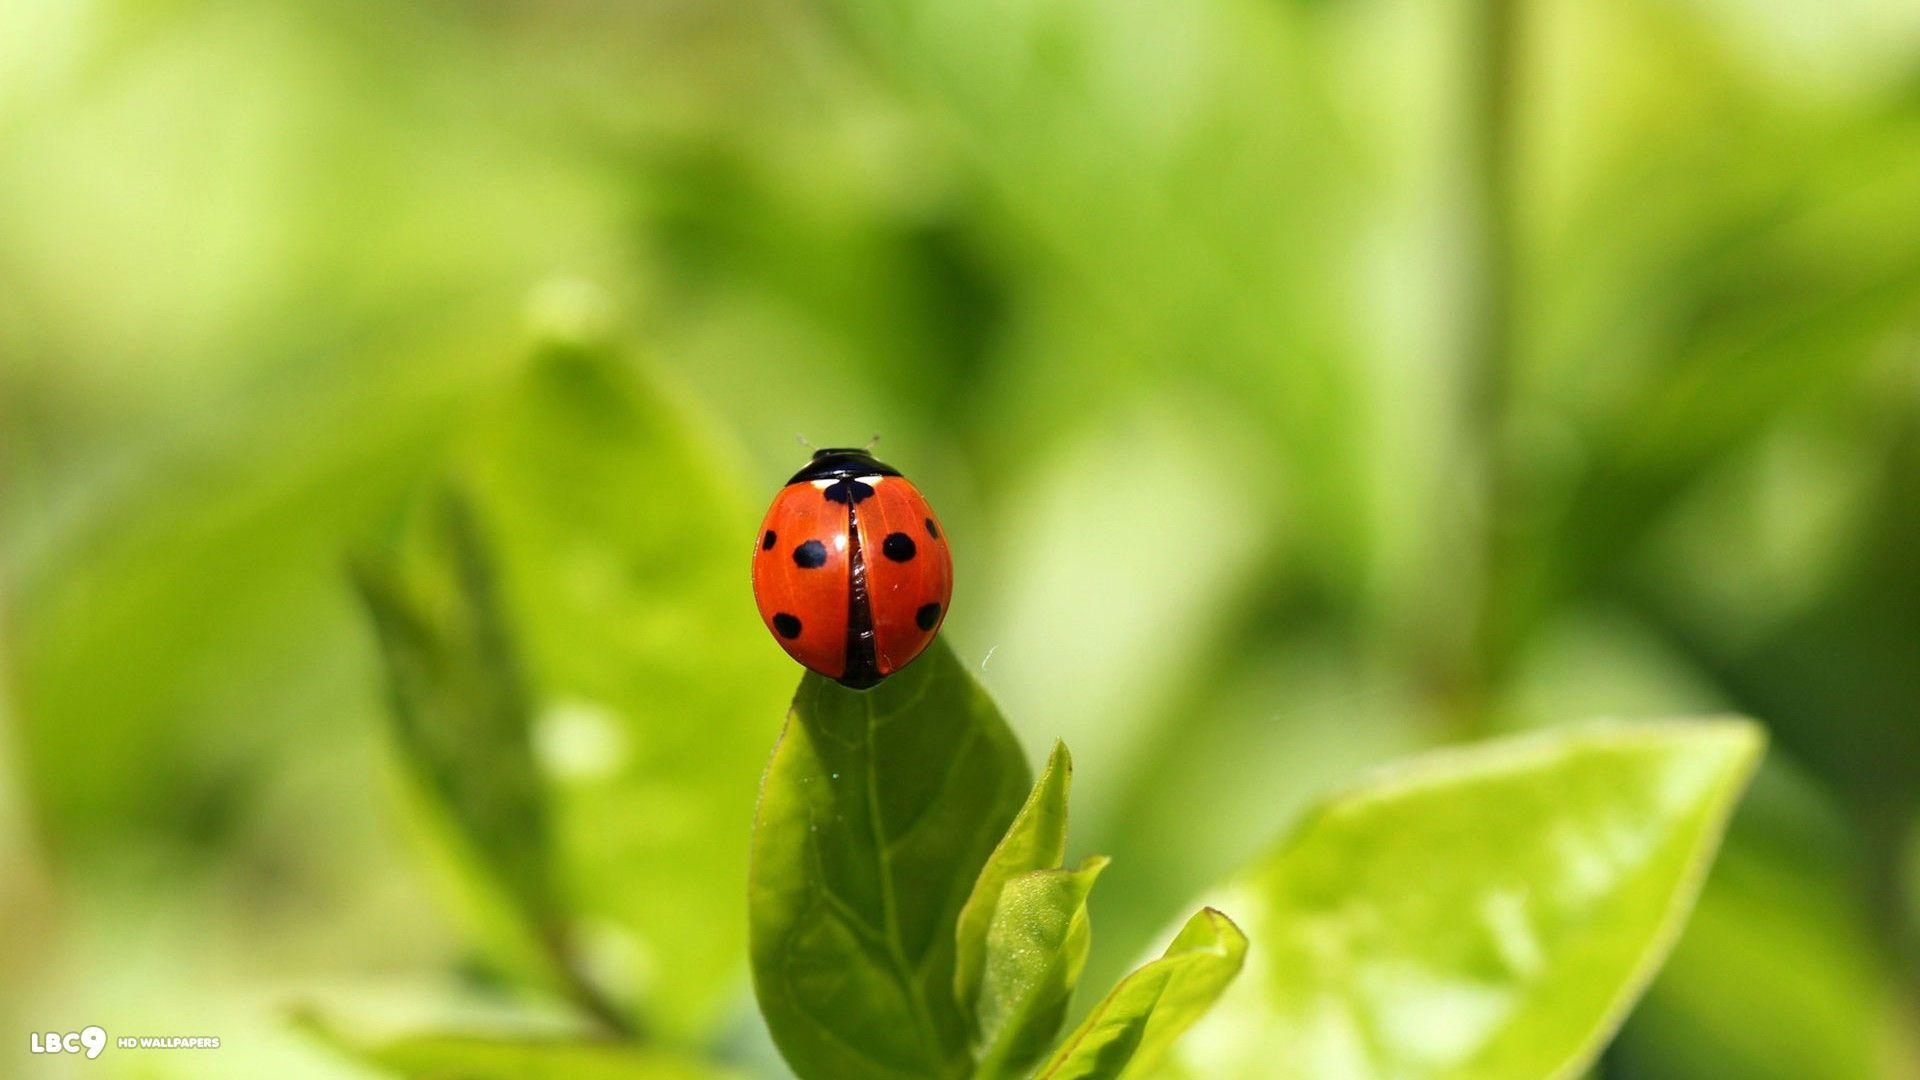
1492,911
877,812
1036,949
619,522
460,715
1037,840
1129,1032
456,1056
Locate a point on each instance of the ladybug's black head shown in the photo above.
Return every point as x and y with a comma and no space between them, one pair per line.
836,462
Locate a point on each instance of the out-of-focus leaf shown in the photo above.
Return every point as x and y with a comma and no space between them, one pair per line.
1035,951
460,714
1132,1029
1492,911
622,528
455,1056
1037,840
877,812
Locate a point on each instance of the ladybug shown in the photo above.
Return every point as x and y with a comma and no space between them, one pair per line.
851,571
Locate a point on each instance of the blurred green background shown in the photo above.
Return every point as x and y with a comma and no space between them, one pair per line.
1302,382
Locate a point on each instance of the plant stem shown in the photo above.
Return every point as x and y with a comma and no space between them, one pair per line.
1489,354
580,989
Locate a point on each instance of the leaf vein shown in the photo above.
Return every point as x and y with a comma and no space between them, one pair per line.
889,902
966,746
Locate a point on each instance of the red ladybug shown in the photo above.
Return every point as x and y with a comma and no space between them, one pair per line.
852,573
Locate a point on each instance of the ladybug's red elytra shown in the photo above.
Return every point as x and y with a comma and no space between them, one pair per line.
851,570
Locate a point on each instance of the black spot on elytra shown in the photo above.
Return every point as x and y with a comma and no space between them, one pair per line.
811,555
927,616
766,542
788,626
932,529
848,491
898,547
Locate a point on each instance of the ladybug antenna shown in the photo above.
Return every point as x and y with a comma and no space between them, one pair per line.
803,441
871,443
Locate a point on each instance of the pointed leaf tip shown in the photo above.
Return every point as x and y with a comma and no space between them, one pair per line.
1130,1031
1529,886
1036,840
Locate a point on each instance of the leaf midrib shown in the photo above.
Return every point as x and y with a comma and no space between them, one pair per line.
889,903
